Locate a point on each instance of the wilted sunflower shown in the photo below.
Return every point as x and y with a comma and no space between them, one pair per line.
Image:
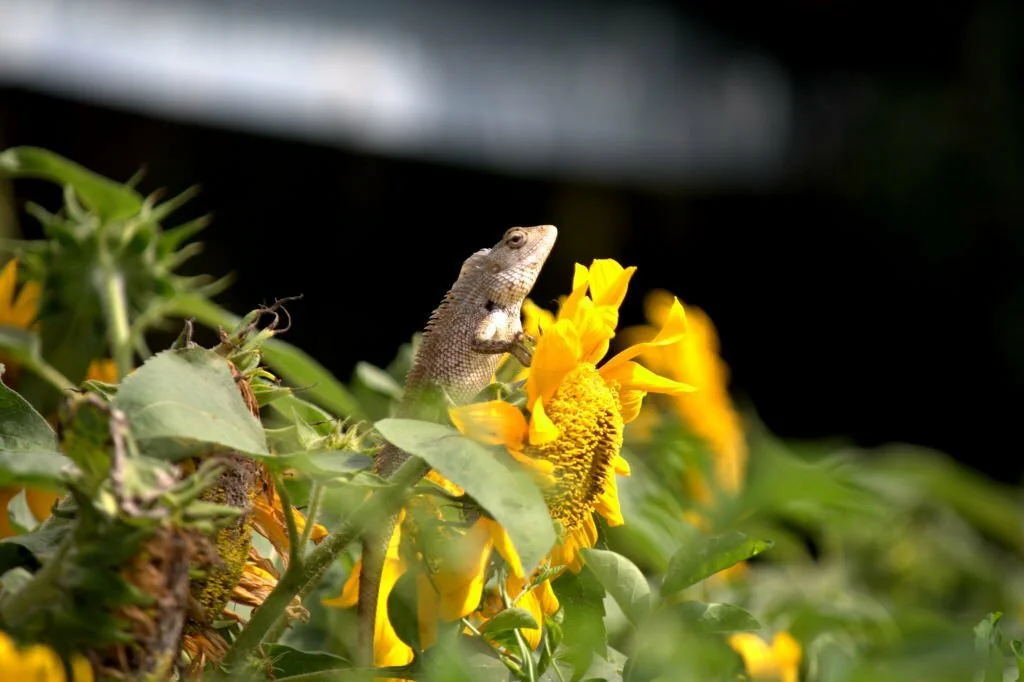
18,309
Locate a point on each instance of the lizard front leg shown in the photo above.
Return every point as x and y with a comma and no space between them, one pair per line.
520,346
488,338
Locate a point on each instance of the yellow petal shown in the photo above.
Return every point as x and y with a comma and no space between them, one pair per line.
8,278
787,655
25,307
634,376
607,503
349,596
41,663
673,331
595,327
6,495
580,282
547,598
459,585
630,404
620,465
657,305
541,470
535,318
756,654
103,370
40,502
542,429
495,422
81,670
609,281
503,545
558,352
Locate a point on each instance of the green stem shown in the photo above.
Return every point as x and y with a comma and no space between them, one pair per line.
294,544
115,309
383,502
316,495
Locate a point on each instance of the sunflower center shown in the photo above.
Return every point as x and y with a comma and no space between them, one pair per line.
586,411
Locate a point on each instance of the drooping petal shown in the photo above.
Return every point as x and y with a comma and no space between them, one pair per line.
632,375
558,352
494,422
503,545
673,331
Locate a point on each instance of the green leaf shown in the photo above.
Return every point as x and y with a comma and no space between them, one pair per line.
691,564
321,465
488,475
189,396
708,618
988,640
29,452
287,361
623,581
1017,647
290,662
510,619
376,379
108,199
24,347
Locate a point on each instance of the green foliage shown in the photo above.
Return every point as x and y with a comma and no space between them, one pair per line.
487,475
877,564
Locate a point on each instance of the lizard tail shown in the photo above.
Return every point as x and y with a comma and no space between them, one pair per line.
375,547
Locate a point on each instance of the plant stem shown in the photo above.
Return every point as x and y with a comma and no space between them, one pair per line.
294,543
110,283
315,497
384,501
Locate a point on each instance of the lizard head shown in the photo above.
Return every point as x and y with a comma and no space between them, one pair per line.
516,260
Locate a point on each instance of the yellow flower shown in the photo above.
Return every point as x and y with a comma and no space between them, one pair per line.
709,412
388,649
39,663
570,441
779,662
577,410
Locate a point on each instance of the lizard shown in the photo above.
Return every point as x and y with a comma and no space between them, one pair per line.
459,350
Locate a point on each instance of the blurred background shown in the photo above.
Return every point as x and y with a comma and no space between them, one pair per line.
837,183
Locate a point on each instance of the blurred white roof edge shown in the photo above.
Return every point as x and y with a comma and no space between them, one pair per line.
614,93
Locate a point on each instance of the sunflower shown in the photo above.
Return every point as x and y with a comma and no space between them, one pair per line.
572,435
709,412
775,662
569,439
18,308
40,663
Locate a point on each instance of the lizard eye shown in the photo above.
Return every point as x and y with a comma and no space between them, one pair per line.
515,237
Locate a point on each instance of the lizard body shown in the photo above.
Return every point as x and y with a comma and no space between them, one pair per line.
477,321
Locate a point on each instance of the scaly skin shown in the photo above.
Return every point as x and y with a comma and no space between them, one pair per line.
478,320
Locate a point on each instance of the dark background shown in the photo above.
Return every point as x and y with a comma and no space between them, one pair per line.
874,291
